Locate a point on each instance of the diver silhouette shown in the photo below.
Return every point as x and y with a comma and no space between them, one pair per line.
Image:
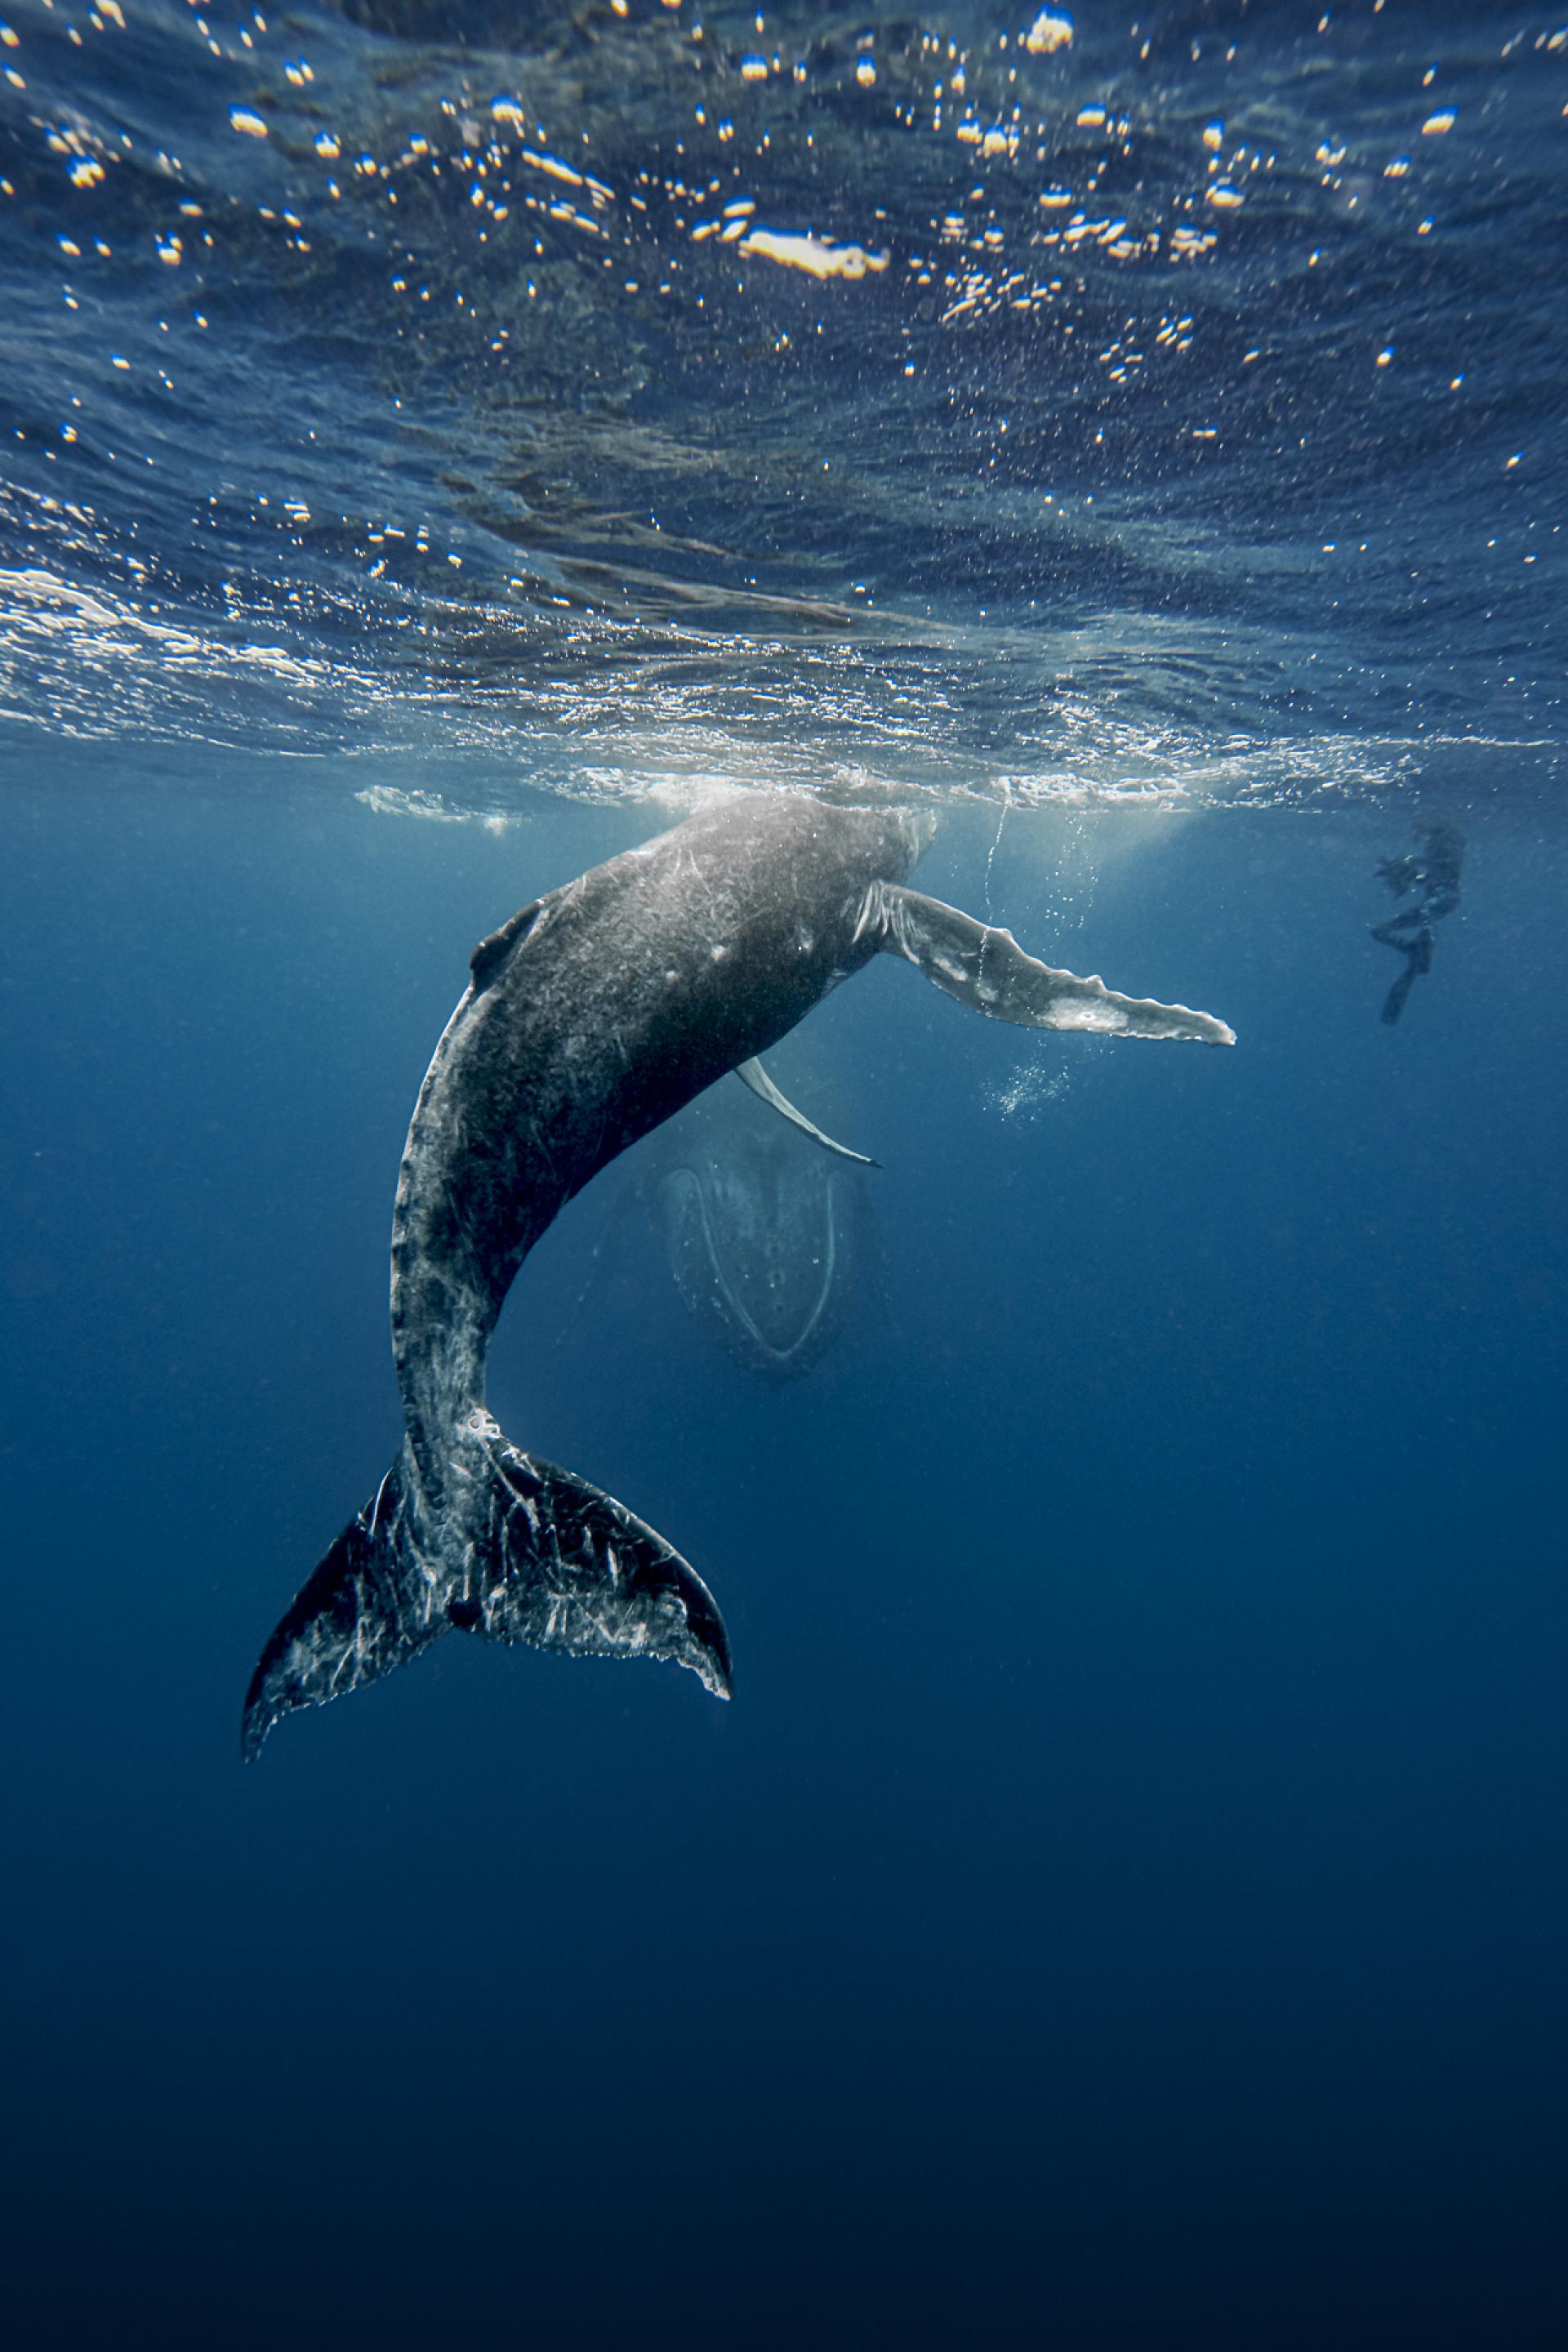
1431,872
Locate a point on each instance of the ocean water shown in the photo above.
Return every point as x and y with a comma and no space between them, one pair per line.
1123,1905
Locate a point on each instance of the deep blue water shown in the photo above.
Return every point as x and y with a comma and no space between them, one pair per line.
1124,1907
1124,1901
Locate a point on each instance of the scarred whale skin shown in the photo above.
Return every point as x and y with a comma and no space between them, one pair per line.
591,1016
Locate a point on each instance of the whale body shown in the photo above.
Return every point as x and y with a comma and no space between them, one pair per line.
590,1017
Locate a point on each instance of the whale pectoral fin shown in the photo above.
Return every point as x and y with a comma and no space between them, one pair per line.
752,1074
988,971
568,1568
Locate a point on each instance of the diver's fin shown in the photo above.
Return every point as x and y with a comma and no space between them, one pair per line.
988,971
548,1559
752,1074
1394,1001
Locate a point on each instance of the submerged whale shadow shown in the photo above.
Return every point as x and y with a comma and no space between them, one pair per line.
765,1235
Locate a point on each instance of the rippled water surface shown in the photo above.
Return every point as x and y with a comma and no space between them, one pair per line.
1158,398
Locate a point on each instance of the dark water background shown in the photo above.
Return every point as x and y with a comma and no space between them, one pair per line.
1125,1904
1124,1901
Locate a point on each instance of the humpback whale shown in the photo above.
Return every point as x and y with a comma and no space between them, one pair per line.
590,1017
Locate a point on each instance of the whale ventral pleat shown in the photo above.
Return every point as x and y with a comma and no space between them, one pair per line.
493,952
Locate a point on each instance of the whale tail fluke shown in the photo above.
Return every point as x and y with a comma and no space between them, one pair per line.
548,1559
570,1569
363,1609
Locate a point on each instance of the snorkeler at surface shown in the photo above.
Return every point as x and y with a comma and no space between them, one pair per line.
1433,873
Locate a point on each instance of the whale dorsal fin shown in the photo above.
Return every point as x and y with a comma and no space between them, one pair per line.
752,1074
493,952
